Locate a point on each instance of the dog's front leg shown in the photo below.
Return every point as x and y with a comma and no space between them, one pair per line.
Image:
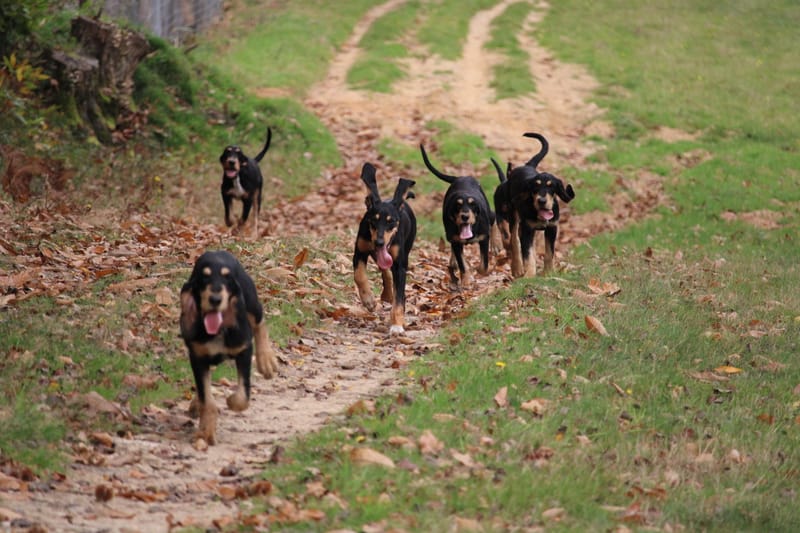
266,360
527,240
387,294
399,306
227,202
206,407
457,268
362,282
516,253
483,246
240,399
550,234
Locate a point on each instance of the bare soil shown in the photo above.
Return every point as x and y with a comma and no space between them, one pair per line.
159,478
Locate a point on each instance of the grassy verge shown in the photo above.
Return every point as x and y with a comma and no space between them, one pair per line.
684,415
512,76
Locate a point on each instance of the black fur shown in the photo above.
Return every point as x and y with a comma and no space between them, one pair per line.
386,233
242,180
467,219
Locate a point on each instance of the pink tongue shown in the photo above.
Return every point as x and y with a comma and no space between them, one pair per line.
466,232
212,322
545,214
384,259
230,173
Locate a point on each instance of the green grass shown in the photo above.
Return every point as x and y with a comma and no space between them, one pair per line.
382,46
511,77
446,25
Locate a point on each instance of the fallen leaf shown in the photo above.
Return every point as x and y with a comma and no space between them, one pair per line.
554,513
537,406
725,369
429,444
501,398
368,456
300,258
595,325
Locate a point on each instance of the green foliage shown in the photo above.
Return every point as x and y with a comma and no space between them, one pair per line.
446,25
17,21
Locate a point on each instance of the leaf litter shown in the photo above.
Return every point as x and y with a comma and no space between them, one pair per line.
153,476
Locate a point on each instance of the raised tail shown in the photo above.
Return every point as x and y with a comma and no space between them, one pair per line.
499,170
440,175
260,155
535,160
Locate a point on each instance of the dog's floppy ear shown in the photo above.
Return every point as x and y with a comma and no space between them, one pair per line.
402,192
499,171
368,177
242,158
188,311
566,194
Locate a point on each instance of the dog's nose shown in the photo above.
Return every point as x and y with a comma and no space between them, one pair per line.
464,217
215,299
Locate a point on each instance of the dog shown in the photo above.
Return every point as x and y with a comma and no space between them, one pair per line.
386,233
534,199
242,180
220,316
467,218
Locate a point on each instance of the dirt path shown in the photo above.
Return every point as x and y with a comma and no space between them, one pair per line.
157,476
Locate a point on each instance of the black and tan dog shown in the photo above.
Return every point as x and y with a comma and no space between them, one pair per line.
242,180
534,199
467,218
386,233
220,315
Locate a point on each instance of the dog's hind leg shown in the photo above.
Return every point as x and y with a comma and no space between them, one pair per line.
240,399
550,234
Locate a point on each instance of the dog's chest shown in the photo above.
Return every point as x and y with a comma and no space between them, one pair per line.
217,346
236,190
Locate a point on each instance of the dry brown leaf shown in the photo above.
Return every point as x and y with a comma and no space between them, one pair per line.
501,398
537,406
368,456
595,325
726,369
300,258
554,513
429,444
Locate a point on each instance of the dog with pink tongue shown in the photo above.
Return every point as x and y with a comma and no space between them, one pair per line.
386,233
467,218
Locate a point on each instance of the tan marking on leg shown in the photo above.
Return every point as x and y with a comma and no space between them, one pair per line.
266,359
516,252
207,428
387,294
549,252
452,268
530,259
238,400
362,284
397,317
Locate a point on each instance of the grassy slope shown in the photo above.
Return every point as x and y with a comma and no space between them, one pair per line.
685,413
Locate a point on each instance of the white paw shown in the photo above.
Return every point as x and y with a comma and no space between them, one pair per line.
396,330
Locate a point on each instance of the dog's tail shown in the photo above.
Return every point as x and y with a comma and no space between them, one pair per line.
260,155
440,175
499,170
535,160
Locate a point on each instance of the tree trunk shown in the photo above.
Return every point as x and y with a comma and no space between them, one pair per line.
98,80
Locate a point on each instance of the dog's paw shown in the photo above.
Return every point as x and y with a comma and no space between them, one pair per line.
369,302
395,330
238,400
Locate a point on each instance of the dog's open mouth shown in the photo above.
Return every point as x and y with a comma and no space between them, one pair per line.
230,173
383,258
466,232
545,214
212,322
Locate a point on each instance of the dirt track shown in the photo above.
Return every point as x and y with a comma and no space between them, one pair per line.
157,476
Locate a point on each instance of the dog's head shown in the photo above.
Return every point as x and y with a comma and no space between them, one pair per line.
543,191
384,216
232,160
212,294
